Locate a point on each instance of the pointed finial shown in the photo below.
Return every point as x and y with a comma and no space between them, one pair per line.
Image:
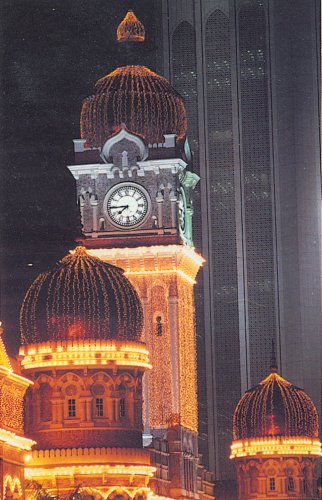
80,251
273,358
130,29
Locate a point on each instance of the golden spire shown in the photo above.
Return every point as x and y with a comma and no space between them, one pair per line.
130,29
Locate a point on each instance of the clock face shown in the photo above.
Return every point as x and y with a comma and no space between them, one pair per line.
127,205
182,210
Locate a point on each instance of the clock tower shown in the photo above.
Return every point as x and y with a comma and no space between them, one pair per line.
135,191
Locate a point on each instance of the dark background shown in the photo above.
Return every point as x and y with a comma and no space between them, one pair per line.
52,53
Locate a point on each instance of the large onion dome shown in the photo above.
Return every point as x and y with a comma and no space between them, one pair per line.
275,408
82,297
143,101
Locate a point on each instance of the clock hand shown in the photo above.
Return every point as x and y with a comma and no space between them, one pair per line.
119,206
124,207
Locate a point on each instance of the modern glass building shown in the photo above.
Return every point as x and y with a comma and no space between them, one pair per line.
249,73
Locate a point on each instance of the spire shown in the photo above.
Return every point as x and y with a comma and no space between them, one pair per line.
273,358
130,29
4,358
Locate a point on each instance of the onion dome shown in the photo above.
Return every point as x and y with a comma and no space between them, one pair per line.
82,297
143,101
130,29
275,408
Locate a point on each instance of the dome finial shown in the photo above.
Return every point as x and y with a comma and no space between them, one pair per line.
273,365
80,251
130,29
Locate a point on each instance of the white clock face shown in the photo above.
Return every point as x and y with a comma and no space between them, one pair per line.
182,210
127,205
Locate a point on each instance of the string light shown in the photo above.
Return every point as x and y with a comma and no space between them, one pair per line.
137,470
130,29
82,297
154,272
12,390
4,358
12,439
275,408
187,352
275,446
138,98
14,486
90,352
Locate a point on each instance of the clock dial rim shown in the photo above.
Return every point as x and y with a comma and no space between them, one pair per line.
146,198
182,198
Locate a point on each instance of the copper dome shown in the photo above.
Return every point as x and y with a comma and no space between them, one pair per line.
143,101
275,408
82,297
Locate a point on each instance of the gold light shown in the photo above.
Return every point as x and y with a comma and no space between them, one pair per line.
82,297
137,97
136,470
164,278
275,446
91,352
275,407
12,439
130,29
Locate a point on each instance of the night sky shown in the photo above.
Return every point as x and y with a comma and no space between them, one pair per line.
52,52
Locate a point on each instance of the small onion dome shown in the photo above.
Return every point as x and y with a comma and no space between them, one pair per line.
82,297
275,408
143,101
130,29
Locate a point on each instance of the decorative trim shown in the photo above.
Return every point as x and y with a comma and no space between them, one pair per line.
88,353
275,446
123,134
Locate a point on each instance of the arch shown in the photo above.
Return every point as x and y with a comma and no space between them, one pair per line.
119,494
184,76
11,487
44,379
70,379
140,494
253,475
102,378
44,392
123,134
124,382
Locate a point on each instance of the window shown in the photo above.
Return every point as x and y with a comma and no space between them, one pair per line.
72,407
159,326
272,484
99,405
122,407
290,484
45,394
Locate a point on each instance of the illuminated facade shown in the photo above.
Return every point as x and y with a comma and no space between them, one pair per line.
13,443
275,442
135,191
117,307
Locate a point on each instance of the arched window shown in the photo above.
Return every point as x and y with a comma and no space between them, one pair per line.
71,407
122,407
253,480
290,486
272,484
184,72
158,320
98,391
45,406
